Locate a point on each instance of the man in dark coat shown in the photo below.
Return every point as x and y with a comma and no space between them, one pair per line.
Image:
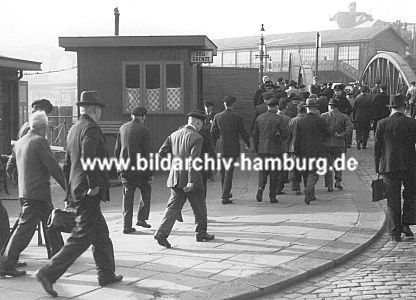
380,103
322,103
344,105
209,112
315,87
185,183
395,159
311,133
229,125
85,190
362,115
260,109
134,139
270,131
35,164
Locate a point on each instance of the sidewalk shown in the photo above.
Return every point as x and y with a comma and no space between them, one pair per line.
258,247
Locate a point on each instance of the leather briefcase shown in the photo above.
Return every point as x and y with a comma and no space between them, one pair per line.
61,220
378,189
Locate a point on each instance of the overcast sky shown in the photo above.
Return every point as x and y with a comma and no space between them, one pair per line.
27,23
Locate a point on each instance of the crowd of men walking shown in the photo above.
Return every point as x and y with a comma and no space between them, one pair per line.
288,121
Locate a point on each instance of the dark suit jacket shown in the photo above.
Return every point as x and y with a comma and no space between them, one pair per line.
133,138
85,141
363,108
394,148
311,133
230,126
380,103
258,110
35,164
344,105
270,131
184,143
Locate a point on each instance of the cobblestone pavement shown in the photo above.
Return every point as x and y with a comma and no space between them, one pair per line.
386,270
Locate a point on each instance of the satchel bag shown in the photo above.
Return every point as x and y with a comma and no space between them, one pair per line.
378,189
61,220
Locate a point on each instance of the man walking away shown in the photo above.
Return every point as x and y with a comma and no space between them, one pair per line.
134,139
270,131
380,103
185,183
363,114
283,175
35,164
229,126
395,159
86,189
339,126
311,134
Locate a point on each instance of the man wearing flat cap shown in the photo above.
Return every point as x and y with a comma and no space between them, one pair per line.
311,133
133,139
185,182
229,125
85,190
395,159
270,132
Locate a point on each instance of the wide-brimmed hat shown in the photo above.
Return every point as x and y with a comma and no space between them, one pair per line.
396,101
311,102
90,98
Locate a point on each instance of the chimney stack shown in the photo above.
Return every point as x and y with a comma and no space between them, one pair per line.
117,19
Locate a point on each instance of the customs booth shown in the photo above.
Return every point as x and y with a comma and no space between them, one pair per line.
162,73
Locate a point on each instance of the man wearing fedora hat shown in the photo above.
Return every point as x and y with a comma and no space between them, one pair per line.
339,126
311,132
185,183
134,139
85,190
395,159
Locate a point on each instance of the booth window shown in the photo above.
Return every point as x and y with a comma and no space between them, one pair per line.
157,86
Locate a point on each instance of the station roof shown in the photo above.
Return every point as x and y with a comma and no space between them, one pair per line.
192,41
19,64
305,38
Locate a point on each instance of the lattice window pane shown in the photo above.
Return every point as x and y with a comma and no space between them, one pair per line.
133,99
173,99
153,99
132,86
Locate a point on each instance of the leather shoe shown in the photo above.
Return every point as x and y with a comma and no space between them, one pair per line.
259,196
203,237
143,224
46,284
129,230
273,200
307,200
406,230
103,281
330,189
162,241
227,201
339,186
12,272
313,198
21,264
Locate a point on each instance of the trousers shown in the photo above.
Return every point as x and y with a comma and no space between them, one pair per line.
90,228
227,177
332,153
4,226
396,215
362,131
311,181
175,204
32,212
129,188
269,170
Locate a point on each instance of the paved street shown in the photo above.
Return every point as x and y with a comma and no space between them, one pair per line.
385,270
259,247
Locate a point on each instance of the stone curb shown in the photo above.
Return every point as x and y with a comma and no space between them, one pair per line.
371,224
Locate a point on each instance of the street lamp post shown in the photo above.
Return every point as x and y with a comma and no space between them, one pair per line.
262,53
318,45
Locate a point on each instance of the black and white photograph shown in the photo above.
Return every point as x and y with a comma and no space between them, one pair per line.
207,150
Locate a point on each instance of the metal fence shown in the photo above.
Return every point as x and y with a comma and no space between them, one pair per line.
58,129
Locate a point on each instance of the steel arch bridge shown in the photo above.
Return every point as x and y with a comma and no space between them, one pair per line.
391,68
